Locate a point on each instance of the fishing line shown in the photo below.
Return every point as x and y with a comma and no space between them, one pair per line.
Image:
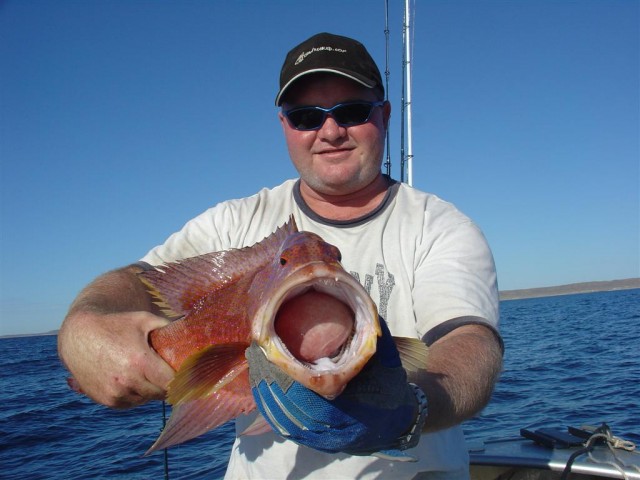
166,452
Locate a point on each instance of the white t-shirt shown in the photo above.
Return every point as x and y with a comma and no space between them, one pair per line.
422,261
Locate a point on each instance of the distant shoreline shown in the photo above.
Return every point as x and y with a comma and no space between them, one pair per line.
570,289
18,335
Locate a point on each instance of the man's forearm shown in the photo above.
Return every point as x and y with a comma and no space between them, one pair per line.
114,292
463,368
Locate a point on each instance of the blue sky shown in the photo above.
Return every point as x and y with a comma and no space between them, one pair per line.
121,120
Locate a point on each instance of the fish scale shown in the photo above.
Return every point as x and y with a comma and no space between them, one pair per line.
228,324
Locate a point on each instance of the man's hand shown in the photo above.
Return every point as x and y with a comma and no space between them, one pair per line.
104,343
378,413
110,358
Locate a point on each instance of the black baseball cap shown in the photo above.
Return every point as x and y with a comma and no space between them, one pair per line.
326,52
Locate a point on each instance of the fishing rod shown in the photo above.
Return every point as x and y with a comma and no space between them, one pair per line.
406,127
406,160
387,73
407,40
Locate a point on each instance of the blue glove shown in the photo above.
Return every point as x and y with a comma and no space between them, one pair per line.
378,413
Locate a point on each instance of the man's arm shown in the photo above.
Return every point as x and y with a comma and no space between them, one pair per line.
462,369
103,341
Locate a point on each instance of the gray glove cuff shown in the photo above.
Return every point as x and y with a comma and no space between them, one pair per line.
412,438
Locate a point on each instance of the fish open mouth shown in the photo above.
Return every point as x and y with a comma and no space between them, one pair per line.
321,326
322,287
314,326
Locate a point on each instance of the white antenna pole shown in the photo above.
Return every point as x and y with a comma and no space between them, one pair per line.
408,86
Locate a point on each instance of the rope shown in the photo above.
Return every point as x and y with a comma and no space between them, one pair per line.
604,434
614,443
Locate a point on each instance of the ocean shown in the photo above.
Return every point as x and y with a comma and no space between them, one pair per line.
569,360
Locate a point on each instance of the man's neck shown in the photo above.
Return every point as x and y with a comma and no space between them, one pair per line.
349,206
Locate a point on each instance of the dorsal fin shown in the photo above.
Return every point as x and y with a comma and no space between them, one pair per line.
178,286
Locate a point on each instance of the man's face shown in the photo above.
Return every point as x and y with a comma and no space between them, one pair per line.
335,160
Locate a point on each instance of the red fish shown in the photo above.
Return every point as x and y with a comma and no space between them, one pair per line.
289,293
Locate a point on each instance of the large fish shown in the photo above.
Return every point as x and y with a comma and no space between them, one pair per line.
289,293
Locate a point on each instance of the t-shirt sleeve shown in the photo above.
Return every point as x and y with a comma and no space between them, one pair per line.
205,233
455,278
230,224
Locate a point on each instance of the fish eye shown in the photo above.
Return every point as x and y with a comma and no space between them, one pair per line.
283,261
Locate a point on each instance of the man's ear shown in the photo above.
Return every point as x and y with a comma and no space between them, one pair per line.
283,120
386,114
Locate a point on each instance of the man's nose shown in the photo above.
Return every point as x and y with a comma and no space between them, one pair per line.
330,129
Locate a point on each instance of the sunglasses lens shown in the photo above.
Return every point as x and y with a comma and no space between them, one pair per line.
345,115
306,118
352,114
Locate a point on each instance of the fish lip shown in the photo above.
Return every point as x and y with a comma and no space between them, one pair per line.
335,281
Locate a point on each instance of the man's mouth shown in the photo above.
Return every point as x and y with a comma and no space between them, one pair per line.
334,152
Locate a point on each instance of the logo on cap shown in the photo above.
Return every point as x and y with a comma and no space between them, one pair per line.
304,55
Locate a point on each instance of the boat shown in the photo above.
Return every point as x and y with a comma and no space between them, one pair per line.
553,453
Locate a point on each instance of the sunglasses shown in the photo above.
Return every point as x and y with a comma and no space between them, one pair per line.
345,115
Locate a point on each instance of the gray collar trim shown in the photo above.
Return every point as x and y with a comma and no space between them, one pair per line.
386,201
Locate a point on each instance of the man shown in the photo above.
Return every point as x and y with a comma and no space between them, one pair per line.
425,264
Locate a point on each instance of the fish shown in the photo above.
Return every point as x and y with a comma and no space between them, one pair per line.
288,293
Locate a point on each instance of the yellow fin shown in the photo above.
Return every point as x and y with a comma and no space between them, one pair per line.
413,353
207,371
159,300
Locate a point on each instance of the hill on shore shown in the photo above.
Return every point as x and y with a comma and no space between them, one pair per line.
585,287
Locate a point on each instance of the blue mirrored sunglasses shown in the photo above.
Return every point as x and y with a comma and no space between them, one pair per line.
345,115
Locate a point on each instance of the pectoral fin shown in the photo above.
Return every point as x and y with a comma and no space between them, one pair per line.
413,354
207,371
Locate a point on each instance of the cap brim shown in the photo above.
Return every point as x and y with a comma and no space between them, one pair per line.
351,75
